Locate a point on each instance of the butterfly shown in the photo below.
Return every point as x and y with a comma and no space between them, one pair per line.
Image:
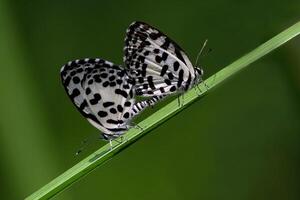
103,93
157,63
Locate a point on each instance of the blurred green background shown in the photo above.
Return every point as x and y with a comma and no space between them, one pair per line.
239,142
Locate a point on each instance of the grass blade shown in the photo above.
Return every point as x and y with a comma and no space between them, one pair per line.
104,153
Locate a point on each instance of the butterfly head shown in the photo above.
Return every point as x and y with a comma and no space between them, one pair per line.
198,74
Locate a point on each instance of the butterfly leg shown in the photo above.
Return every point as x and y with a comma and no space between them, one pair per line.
180,99
137,126
199,91
121,139
110,144
207,86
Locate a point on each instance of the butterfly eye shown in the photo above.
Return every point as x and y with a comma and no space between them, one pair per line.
199,71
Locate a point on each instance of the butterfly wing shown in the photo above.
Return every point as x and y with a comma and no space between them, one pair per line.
159,65
101,91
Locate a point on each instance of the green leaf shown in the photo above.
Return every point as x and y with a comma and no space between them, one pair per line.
105,153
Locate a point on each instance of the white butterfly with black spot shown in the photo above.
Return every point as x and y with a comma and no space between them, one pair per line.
103,93
158,64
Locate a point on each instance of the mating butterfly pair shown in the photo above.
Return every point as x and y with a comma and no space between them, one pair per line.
104,93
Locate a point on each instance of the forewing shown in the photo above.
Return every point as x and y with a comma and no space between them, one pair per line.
149,52
100,91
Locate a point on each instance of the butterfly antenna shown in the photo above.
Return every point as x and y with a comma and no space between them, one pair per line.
201,51
86,142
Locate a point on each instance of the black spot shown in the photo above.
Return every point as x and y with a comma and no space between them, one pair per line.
137,65
178,54
79,70
172,89
63,73
97,78
170,76
76,79
121,73
167,81
67,80
112,84
105,84
188,82
127,104
146,43
180,78
111,121
107,104
146,53
153,36
88,91
164,56
145,86
141,80
75,93
102,113
120,108
119,81
156,51
73,73
143,72
166,44
162,90
111,71
126,115
73,64
164,70
91,81
126,86
150,92
81,62
112,78
176,65
150,82
158,59
141,59
131,81
96,99
131,93
104,75
113,110
121,92
83,105
91,60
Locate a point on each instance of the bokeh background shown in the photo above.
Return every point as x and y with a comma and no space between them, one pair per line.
239,142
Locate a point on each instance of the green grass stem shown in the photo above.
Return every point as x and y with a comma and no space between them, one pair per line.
105,153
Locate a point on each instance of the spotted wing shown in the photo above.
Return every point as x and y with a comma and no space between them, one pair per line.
159,65
101,91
